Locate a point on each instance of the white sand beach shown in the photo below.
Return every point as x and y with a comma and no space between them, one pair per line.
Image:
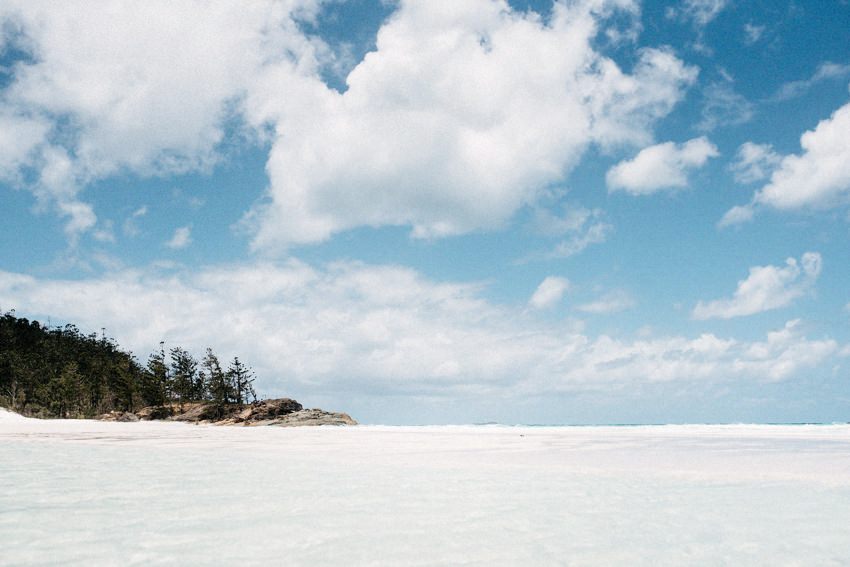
155,493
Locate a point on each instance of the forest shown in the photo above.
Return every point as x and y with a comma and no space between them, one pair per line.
61,372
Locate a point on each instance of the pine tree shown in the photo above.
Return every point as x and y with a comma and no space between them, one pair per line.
216,380
58,371
156,388
241,379
184,374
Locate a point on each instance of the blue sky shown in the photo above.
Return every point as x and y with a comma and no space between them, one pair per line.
420,212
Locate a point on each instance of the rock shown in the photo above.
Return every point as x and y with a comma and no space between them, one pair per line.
271,409
155,412
122,416
201,411
311,417
196,412
284,412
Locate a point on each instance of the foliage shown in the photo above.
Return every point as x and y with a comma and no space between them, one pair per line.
61,372
241,380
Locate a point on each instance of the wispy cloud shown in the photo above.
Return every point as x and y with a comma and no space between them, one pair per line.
130,227
700,12
549,292
739,214
611,302
181,239
825,71
105,233
723,106
579,228
595,233
754,162
752,33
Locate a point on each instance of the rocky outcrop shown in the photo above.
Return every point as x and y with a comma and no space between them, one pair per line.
155,412
282,412
270,409
122,416
314,417
260,411
202,412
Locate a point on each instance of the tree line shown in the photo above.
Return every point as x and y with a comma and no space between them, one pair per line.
61,372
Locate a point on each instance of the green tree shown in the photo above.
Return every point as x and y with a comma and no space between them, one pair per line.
184,375
220,391
124,382
58,371
68,393
156,386
241,380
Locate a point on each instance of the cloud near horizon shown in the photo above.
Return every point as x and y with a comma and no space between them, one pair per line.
387,329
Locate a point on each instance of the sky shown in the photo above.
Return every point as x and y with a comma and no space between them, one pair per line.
594,211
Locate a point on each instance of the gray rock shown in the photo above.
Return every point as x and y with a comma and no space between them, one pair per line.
270,409
123,416
312,417
282,412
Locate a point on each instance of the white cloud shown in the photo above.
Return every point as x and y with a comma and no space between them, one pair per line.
181,239
766,288
754,162
579,227
785,353
451,124
700,12
130,226
572,219
132,86
549,292
595,233
820,176
105,233
752,33
19,137
80,215
612,302
738,214
660,166
723,106
825,71
387,330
